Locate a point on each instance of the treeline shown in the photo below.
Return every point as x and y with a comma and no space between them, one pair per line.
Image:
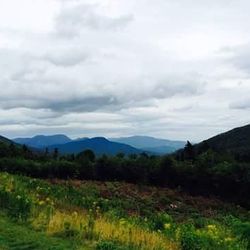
196,170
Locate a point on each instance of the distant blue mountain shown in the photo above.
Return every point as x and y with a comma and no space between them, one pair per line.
41,141
147,143
99,145
161,150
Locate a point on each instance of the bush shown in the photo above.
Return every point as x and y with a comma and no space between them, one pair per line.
189,239
106,245
159,221
111,245
18,205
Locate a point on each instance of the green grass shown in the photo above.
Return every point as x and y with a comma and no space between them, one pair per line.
15,236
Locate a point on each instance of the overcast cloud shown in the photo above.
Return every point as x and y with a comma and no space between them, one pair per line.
172,69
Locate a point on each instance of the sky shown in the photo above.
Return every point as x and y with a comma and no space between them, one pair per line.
170,69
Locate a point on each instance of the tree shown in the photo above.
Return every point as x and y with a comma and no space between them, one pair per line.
55,154
4,150
86,155
189,153
120,155
13,150
27,153
25,149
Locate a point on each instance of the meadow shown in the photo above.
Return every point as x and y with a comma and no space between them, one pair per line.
75,214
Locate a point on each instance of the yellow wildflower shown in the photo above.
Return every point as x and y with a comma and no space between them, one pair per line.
75,214
228,239
167,226
41,203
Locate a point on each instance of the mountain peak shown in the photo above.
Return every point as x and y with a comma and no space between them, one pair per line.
40,141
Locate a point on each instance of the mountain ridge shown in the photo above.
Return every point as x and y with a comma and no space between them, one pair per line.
232,141
148,143
41,141
100,145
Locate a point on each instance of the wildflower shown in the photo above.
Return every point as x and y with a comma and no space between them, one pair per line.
211,227
75,214
167,226
18,197
173,206
122,221
41,203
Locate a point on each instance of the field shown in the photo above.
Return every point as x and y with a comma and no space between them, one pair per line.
56,214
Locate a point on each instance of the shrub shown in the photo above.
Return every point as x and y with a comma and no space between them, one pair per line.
18,205
159,221
189,239
111,245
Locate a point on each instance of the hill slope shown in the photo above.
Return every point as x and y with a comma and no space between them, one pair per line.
152,144
99,145
41,141
5,140
233,141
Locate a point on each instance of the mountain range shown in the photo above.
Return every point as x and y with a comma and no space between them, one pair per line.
151,144
100,145
233,141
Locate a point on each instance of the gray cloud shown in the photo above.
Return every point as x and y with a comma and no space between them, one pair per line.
239,56
66,57
242,104
73,20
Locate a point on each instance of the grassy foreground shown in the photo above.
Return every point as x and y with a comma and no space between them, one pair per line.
38,214
14,236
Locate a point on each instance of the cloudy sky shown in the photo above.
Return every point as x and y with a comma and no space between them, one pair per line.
173,69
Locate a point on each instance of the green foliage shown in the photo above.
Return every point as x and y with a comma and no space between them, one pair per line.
18,204
86,155
189,239
158,221
111,245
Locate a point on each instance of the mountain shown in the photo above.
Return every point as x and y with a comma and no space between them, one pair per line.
5,140
147,143
41,141
99,145
161,150
234,141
